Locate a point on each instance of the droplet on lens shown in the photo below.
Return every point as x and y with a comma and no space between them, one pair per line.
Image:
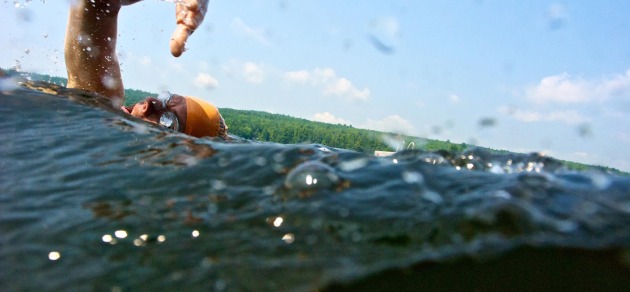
310,176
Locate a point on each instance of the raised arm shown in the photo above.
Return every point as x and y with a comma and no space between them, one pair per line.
90,45
90,48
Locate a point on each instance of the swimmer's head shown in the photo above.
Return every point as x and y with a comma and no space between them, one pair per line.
185,114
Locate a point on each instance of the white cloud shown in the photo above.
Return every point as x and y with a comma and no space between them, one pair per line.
253,73
570,117
616,87
563,88
559,88
454,99
393,123
297,76
204,80
327,117
257,34
329,82
250,71
343,87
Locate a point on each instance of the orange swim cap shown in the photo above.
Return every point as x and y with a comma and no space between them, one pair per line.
203,119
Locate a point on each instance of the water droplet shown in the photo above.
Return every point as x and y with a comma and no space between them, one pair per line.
585,130
107,238
27,51
502,194
54,255
412,177
600,181
496,169
278,157
323,149
17,67
487,122
353,164
288,238
120,234
188,160
311,175
260,161
278,221
8,84
432,197
109,82
218,185
566,226
432,158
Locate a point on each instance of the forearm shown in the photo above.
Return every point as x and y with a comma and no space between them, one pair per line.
90,48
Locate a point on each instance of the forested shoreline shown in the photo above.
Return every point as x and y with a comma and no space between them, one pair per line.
278,128
263,126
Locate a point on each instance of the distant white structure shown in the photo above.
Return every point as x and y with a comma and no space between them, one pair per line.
383,153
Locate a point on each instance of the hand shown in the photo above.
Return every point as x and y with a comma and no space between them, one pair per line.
189,15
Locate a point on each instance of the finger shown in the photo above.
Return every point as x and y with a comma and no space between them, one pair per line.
180,13
178,40
189,16
192,5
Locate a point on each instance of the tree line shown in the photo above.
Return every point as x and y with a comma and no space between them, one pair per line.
263,126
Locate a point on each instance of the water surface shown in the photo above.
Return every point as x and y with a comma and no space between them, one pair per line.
91,199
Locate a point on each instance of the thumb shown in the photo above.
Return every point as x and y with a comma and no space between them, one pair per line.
179,38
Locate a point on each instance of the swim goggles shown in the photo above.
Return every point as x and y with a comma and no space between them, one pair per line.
168,119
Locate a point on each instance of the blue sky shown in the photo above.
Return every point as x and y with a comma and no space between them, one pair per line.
524,76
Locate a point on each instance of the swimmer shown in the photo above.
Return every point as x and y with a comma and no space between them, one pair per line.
92,64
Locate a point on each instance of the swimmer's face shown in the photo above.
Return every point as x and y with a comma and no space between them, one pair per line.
152,109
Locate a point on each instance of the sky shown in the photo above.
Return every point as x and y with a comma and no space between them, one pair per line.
524,76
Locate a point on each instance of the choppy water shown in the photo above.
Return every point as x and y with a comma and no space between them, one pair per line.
91,199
